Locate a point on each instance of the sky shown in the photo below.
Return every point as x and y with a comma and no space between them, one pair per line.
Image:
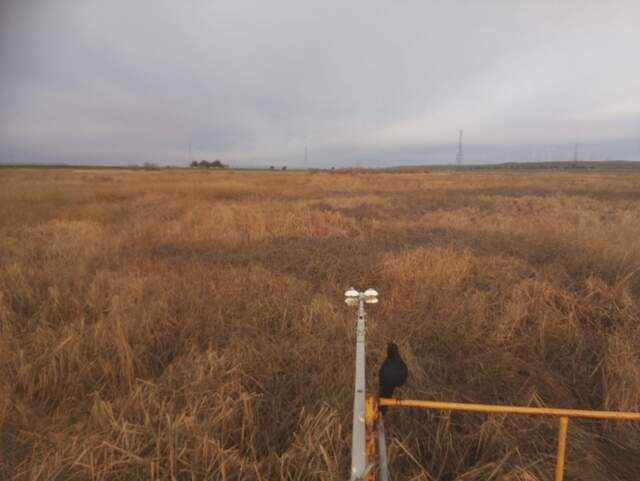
359,83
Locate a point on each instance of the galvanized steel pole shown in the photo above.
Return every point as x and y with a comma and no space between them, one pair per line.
359,466
383,469
358,453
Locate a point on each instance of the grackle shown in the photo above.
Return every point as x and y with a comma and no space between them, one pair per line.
393,373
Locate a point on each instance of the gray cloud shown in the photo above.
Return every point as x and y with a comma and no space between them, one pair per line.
378,83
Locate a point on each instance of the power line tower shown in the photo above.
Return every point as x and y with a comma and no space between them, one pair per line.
460,154
305,156
576,157
190,156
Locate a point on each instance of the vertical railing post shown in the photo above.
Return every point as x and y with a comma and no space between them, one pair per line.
562,447
371,415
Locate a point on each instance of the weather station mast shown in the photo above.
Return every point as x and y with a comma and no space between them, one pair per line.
360,468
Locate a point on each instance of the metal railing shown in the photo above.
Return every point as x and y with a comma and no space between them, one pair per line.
563,414
368,450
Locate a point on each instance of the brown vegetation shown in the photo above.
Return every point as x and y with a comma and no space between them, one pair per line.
185,325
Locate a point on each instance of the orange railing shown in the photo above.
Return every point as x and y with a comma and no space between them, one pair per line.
563,414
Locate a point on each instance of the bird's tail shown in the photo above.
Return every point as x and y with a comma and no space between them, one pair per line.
385,392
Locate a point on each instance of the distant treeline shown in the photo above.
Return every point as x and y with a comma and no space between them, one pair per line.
204,164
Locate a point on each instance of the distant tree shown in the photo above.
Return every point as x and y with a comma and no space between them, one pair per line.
204,164
271,167
284,167
194,164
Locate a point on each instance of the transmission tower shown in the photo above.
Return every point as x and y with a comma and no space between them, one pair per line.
460,154
305,156
575,153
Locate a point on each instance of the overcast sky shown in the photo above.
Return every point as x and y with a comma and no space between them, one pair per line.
361,83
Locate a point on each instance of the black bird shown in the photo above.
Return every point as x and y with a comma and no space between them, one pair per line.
393,373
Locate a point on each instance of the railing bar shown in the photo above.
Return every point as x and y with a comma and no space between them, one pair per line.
562,447
488,408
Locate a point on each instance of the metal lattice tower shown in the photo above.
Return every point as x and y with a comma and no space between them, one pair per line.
460,154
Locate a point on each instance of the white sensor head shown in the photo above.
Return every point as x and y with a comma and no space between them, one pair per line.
352,293
371,296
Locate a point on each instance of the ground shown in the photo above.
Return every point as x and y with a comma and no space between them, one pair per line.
186,325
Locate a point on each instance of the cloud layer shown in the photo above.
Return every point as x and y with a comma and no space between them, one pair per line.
369,83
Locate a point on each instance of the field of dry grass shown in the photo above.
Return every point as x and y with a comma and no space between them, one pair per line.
177,325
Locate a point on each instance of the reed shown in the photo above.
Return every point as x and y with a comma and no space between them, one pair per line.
180,325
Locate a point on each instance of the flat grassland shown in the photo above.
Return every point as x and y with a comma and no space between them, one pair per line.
185,325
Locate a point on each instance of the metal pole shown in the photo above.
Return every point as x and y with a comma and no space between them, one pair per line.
382,451
358,446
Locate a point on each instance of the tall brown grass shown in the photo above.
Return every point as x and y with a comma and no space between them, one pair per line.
175,325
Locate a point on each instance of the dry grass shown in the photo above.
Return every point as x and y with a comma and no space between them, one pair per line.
178,325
